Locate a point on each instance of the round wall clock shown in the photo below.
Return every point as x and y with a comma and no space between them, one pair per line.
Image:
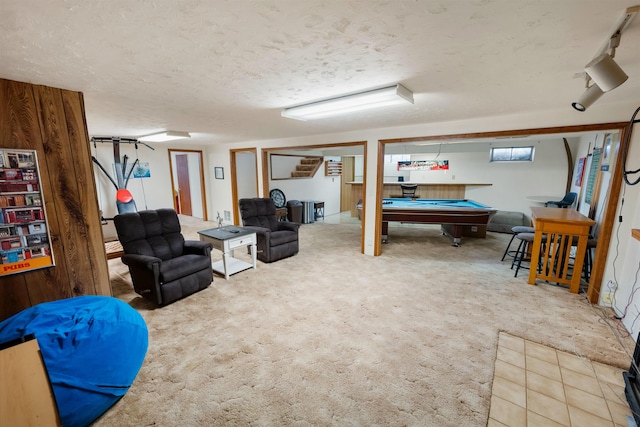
278,198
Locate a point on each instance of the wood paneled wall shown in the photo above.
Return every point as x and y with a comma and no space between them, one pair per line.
52,122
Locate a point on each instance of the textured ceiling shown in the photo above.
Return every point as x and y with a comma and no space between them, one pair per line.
223,70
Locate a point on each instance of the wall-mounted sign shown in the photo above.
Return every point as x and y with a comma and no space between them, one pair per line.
423,165
580,171
24,234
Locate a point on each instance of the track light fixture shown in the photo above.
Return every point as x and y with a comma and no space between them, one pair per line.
589,96
603,73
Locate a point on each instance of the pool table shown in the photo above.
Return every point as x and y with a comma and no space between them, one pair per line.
453,214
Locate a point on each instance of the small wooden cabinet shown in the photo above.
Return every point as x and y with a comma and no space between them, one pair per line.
332,168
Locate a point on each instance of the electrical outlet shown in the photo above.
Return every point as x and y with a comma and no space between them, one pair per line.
474,228
607,298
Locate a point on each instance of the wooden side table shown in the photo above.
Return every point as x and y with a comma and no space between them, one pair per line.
281,214
563,228
227,239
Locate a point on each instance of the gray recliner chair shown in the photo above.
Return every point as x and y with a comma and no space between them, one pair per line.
276,239
164,266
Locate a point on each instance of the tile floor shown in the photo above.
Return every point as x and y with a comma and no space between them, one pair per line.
535,385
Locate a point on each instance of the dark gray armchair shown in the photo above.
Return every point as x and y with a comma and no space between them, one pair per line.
164,266
276,239
567,201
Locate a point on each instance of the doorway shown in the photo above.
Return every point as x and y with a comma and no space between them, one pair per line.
244,178
187,183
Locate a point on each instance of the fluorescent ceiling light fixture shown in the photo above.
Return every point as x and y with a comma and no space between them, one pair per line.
392,95
169,135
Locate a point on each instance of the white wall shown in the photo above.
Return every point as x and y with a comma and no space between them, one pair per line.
148,193
282,165
621,276
623,259
319,188
584,150
246,174
509,184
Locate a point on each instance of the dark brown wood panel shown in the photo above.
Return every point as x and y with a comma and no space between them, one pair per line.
81,157
52,127
52,122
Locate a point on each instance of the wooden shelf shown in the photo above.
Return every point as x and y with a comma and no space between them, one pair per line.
635,233
332,168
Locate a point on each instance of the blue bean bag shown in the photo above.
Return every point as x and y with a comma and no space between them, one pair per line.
92,347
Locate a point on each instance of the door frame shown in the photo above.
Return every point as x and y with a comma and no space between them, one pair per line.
362,143
234,178
612,197
203,193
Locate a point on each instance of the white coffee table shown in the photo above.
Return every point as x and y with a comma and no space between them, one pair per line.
227,239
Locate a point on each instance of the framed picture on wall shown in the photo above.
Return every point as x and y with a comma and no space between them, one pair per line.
24,231
219,172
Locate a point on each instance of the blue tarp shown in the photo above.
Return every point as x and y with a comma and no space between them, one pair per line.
92,347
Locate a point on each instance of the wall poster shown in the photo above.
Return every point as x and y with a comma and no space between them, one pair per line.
580,171
422,165
591,176
24,233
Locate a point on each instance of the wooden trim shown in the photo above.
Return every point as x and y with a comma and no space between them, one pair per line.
613,196
608,220
265,169
377,244
203,193
265,173
512,133
364,198
173,183
317,146
234,187
205,214
51,121
635,233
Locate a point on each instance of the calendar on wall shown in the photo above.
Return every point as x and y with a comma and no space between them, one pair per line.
24,233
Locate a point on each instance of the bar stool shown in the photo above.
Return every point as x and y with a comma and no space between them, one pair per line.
526,239
318,208
588,257
516,230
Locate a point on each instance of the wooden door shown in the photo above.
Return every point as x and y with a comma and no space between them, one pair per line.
184,189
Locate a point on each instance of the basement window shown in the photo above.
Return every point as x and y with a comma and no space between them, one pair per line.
512,154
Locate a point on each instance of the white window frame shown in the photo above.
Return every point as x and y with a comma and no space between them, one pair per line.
511,159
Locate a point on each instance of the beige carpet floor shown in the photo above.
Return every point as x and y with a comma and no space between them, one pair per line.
334,337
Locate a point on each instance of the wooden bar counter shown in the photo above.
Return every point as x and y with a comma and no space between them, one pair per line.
562,228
